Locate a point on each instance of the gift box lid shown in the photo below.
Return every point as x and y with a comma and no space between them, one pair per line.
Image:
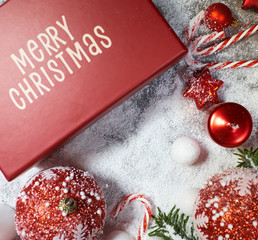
66,63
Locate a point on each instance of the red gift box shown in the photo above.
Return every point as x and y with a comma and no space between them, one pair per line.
64,64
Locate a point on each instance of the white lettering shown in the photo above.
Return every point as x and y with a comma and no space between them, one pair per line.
21,104
22,60
52,42
92,46
65,27
61,76
47,76
36,79
53,33
77,55
32,46
27,91
45,41
60,56
108,42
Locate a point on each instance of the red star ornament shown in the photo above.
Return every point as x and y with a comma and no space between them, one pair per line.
248,4
203,88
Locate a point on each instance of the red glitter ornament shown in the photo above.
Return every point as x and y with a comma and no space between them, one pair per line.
203,88
226,208
60,203
250,4
217,17
230,124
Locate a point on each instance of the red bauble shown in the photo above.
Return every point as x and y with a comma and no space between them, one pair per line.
248,4
230,124
203,88
60,203
226,208
217,17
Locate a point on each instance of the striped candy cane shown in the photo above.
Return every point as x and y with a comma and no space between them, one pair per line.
218,47
234,64
193,26
206,39
147,215
189,59
195,46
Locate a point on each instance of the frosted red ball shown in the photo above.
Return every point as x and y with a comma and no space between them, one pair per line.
218,17
38,212
226,208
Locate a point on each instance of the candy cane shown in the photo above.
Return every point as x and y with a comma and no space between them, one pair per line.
218,47
189,59
193,26
147,215
234,64
207,39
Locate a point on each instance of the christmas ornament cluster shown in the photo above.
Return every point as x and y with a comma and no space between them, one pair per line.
202,87
229,124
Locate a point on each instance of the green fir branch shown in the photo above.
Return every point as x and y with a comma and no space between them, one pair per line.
248,158
178,221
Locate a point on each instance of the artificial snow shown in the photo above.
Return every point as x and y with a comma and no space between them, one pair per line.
119,235
186,200
129,149
7,225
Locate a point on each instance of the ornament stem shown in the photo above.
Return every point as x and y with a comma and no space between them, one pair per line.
67,205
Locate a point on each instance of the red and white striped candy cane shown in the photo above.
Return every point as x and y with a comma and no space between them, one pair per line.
218,47
189,59
234,64
206,39
147,215
193,26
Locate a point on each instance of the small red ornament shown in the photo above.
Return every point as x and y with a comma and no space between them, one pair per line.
248,4
226,208
230,124
58,204
217,17
203,88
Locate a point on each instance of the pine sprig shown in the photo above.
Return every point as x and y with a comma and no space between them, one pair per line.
248,158
176,220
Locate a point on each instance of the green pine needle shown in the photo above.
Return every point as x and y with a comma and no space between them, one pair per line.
248,158
178,221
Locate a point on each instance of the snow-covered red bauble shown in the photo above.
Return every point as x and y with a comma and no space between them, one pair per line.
60,203
227,207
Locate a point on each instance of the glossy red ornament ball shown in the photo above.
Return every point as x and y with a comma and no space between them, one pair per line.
250,4
230,124
226,208
60,203
218,17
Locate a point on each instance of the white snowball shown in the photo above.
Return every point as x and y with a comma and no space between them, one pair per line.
186,200
185,150
7,223
119,235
